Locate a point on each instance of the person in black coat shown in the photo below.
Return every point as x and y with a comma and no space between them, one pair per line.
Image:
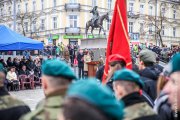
10,108
148,72
30,64
80,58
24,71
16,64
100,72
9,62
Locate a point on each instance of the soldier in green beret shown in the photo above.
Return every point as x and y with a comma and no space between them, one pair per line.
90,100
10,108
127,86
57,76
172,88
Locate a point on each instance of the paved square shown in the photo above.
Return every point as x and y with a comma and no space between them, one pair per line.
30,97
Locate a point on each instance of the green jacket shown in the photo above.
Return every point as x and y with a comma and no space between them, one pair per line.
138,111
49,110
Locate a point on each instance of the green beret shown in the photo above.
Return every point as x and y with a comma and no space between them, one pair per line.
57,68
147,56
128,75
174,64
98,95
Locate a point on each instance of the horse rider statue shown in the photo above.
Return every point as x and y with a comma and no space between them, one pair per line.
95,17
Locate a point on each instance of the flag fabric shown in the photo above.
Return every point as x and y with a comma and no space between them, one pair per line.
118,39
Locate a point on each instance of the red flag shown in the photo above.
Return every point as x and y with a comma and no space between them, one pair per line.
118,40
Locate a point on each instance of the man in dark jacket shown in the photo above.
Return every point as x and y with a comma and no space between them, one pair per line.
100,72
148,72
127,86
80,58
10,108
24,71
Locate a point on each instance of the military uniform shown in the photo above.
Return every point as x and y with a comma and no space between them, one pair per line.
136,108
10,108
50,107
48,110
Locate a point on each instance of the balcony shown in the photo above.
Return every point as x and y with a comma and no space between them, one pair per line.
72,6
132,15
72,31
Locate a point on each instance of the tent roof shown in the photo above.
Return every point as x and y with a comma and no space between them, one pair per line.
10,40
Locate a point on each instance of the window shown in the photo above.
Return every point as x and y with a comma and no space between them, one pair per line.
19,9
42,24
94,3
54,22
141,9
150,29
109,3
54,3
2,12
130,27
174,32
26,7
150,10
131,5
42,4
26,26
163,11
163,30
34,6
72,1
73,21
174,14
34,26
141,27
108,24
9,10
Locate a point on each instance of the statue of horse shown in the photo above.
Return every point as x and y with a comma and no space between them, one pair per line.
98,24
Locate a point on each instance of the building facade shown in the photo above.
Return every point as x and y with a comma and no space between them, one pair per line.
55,21
150,21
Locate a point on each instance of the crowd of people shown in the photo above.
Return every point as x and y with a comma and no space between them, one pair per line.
163,53
16,67
147,92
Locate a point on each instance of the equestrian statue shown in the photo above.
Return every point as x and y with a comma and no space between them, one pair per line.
96,21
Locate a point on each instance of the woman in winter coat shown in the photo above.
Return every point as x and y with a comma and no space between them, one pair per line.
87,58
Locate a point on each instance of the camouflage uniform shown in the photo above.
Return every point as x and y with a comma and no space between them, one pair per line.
48,110
50,107
11,108
137,109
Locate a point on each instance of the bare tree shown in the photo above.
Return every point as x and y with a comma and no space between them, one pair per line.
158,22
29,20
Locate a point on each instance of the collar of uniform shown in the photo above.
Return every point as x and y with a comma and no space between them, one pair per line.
132,98
54,101
3,91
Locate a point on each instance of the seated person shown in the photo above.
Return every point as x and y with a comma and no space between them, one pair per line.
13,82
24,71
